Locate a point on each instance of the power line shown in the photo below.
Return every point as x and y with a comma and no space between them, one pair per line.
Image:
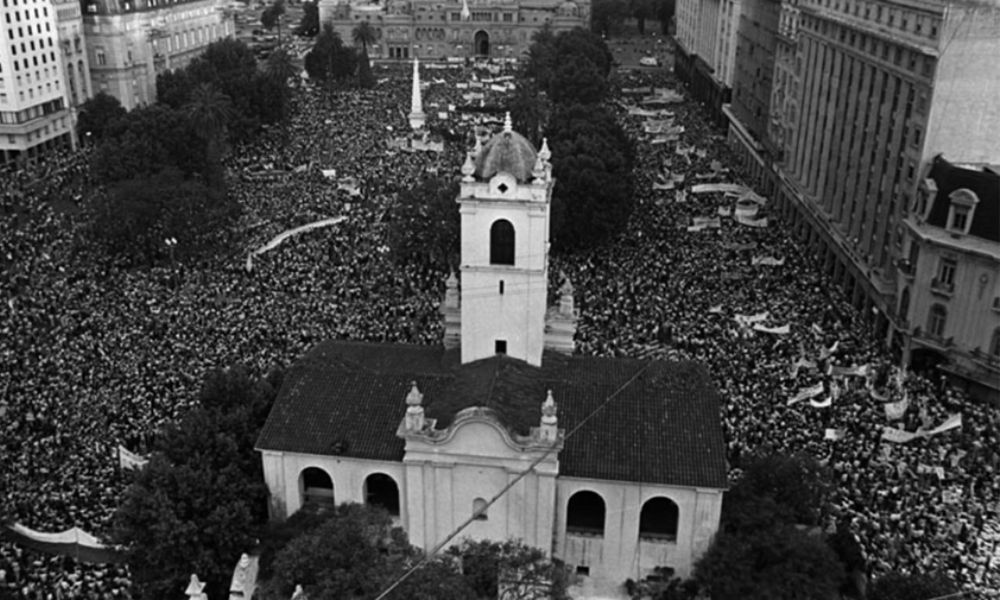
509,485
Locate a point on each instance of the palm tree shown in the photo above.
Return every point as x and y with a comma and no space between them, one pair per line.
210,112
363,34
280,66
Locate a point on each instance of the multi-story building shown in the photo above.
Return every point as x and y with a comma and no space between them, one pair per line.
783,111
883,86
33,110
132,41
73,53
705,50
432,30
948,312
749,112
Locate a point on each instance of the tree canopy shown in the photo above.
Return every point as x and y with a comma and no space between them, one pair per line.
897,586
776,488
98,115
424,224
201,501
309,25
592,161
329,59
781,563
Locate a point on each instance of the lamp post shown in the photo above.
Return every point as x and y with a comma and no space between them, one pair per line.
171,244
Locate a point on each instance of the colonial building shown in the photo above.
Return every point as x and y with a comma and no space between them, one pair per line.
130,42
435,30
949,290
34,116
616,466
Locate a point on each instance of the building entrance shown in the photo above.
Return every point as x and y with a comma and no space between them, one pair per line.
482,43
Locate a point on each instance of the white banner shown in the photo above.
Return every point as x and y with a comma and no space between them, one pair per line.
834,434
748,320
898,436
806,393
822,403
782,330
895,411
768,261
953,422
752,222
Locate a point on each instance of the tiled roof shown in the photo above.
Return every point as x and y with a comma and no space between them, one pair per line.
984,183
347,398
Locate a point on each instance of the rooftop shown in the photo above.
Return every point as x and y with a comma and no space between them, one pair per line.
982,181
347,399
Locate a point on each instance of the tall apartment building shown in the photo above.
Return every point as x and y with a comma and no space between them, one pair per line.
784,107
705,50
130,42
884,85
73,54
749,112
33,113
948,308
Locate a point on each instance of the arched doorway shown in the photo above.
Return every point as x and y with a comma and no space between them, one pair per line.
658,520
381,490
585,514
482,43
316,487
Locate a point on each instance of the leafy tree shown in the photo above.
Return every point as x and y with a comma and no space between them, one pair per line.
231,67
510,570
776,489
897,586
131,220
642,10
592,160
424,226
98,115
173,88
146,141
578,82
665,13
529,110
364,34
309,25
557,61
606,16
272,16
201,500
211,111
329,60
781,563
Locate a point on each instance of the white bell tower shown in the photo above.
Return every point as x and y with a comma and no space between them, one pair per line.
505,200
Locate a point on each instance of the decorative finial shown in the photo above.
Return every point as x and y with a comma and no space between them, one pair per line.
468,169
452,281
508,126
195,587
414,398
549,407
538,171
299,593
545,154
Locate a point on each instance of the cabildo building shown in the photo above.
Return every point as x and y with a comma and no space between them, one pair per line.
630,456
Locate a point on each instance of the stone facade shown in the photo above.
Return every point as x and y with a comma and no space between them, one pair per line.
501,29
130,42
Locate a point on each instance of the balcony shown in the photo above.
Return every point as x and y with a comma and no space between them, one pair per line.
906,269
941,288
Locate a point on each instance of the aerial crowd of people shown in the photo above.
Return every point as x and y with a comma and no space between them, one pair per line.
99,356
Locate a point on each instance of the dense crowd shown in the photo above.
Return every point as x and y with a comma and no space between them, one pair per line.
99,356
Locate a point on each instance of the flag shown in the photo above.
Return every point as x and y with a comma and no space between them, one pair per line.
806,393
130,460
466,13
73,542
894,411
716,310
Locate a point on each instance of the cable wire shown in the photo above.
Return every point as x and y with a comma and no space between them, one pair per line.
427,558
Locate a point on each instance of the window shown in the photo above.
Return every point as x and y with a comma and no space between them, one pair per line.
479,509
959,218
500,347
101,58
936,320
658,520
995,343
904,304
946,272
381,490
502,243
316,486
501,287
585,514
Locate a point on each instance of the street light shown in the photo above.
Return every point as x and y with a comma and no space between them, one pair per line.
171,244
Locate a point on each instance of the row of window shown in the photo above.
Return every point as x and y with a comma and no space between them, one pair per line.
874,47
910,22
585,512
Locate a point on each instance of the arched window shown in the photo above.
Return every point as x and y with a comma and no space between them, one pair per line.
904,304
995,343
658,519
381,490
479,509
316,486
585,514
502,243
936,320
